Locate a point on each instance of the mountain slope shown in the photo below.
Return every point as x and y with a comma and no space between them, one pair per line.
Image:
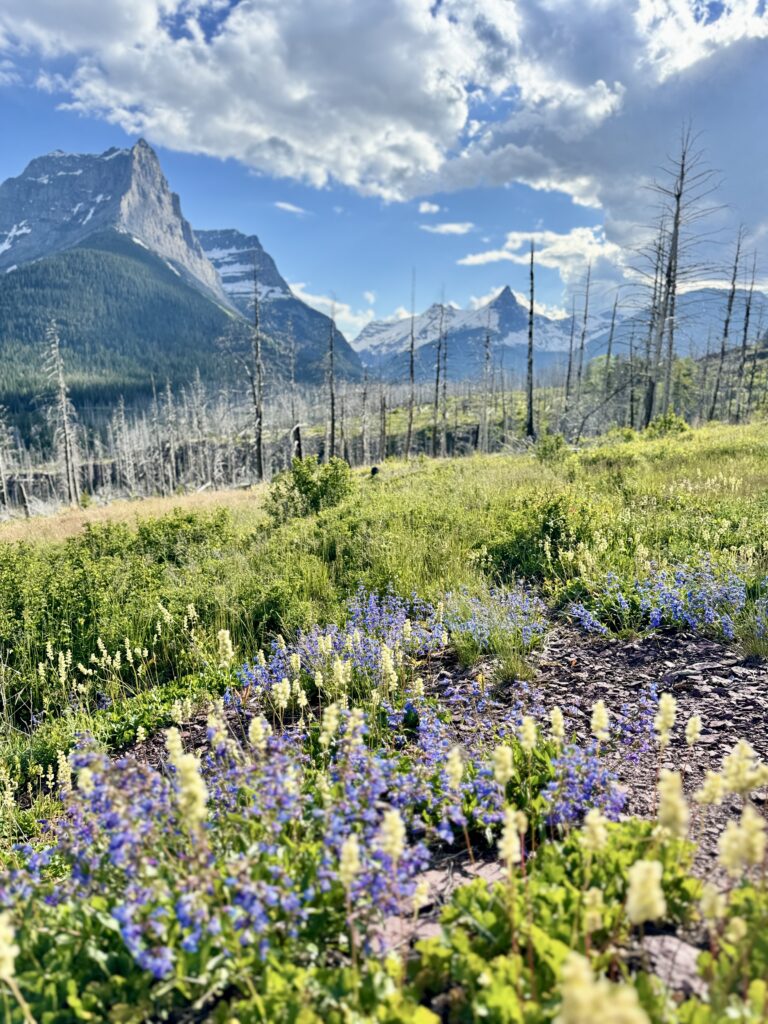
124,315
384,345
62,199
283,316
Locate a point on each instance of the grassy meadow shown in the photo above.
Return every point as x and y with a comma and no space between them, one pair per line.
283,644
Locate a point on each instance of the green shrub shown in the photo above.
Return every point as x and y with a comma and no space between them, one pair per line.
308,488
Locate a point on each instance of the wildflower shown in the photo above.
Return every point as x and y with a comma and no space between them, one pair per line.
711,791
63,772
664,722
193,792
594,835
736,931
141,734
590,1000
418,688
528,734
645,899
673,810
557,725
503,767
693,730
330,725
454,768
521,821
712,903
8,948
742,845
295,663
594,908
390,838
226,650
85,781
259,732
600,719
510,848
420,897
349,861
281,694
742,769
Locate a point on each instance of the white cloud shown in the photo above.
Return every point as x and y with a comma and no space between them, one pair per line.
568,253
8,73
370,297
542,308
410,98
290,208
426,207
462,228
349,321
478,301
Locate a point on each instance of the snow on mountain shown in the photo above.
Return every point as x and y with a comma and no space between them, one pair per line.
504,318
59,200
237,258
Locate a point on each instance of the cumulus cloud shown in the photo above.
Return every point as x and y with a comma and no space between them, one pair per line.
348,320
460,228
290,208
409,98
370,297
569,253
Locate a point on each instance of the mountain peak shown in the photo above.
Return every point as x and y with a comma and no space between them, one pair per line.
62,199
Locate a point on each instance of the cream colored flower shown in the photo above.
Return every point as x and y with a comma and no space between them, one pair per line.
503,766
600,721
454,768
673,810
693,730
713,904
594,909
645,898
8,948
557,725
664,721
510,848
528,733
594,834
711,791
390,838
349,861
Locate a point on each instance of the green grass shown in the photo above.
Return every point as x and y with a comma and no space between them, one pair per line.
426,527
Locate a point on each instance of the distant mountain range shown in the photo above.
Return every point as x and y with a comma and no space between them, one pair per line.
383,345
100,244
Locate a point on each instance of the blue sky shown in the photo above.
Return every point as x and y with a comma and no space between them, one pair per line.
504,117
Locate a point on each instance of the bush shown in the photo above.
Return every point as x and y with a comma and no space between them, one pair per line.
668,423
309,488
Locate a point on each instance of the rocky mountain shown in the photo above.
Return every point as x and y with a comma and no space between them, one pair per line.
699,318
100,244
383,345
284,317
62,199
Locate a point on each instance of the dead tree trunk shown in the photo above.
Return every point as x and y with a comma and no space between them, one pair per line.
529,424
745,344
726,327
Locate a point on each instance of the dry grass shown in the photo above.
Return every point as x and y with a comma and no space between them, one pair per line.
69,522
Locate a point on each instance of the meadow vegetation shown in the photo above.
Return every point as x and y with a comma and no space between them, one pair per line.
226,766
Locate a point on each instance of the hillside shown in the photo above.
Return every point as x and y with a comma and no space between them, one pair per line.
124,315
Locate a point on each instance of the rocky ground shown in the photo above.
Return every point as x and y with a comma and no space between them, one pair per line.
573,670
